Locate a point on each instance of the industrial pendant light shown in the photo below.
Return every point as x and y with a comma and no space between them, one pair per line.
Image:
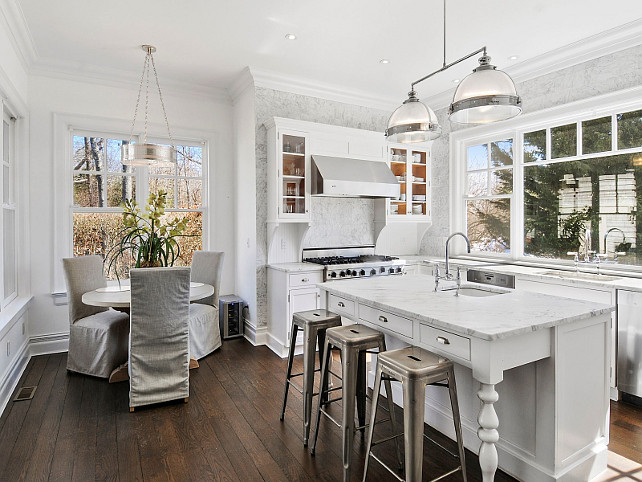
146,154
486,95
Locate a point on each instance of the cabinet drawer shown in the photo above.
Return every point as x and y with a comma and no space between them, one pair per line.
341,306
445,341
391,322
305,279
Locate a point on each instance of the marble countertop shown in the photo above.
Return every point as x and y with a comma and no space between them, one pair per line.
538,273
296,267
493,317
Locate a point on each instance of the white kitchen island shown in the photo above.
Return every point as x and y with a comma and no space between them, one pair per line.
538,364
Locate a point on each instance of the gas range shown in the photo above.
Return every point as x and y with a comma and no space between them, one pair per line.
353,262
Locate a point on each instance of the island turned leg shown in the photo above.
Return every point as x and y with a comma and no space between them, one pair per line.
487,432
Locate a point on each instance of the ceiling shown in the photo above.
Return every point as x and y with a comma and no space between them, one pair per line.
206,44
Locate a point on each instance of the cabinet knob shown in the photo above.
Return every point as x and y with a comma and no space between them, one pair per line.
442,340
383,319
305,280
340,304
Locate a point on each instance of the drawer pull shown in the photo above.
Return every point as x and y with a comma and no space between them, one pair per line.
340,304
442,340
305,280
383,319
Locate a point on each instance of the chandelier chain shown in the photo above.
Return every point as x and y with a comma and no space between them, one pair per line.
160,96
149,54
140,89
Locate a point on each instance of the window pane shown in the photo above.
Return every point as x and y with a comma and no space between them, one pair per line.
9,254
564,141
114,157
629,129
5,184
88,153
478,157
562,200
535,146
193,236
478,183
596,135
120,188
501,153
189,194
97,233
488,223
190,161
501,181
162,171
167,185
88,190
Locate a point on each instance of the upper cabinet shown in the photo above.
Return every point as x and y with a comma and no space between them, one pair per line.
411,166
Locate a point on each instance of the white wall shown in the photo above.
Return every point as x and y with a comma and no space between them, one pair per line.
50,97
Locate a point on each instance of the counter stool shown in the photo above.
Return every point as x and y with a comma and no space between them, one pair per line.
415,368
353,341
314,324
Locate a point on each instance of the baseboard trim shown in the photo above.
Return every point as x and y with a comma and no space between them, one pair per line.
49,343
255,335
12,375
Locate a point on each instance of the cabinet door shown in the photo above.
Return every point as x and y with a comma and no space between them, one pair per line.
629,356
301,300
293,186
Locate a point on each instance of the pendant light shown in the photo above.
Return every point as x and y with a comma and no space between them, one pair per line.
147,154
486,95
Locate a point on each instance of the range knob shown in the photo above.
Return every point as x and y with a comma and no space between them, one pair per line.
373,272
398,270
333,274
391,270
342,274
362,272
354,272
382,270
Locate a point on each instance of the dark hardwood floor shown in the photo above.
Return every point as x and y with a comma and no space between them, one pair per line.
79,428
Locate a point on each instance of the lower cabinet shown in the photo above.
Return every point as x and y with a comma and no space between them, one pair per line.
289,292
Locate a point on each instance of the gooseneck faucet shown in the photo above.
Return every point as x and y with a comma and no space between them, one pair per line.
458,233
587,245
616,253
448,276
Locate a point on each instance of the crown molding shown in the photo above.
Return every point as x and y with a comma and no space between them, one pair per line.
599,45
240,84
14,22
92,74
298,85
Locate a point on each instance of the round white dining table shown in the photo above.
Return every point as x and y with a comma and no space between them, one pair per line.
120,296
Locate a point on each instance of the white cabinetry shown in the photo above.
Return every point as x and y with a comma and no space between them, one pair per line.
412,169
288,293
629,318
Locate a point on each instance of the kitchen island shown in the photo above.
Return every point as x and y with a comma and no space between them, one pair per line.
537,363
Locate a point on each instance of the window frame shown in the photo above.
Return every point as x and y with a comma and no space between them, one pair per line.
576,112
9,205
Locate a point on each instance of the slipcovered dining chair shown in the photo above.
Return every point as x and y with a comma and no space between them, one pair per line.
204,332
159,335
98,335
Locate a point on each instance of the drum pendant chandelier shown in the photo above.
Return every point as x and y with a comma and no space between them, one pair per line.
487,95
146,154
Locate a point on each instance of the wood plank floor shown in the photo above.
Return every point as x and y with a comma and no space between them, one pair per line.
79,428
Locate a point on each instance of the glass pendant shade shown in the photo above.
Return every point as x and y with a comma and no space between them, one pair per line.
157,155
486,95
413,121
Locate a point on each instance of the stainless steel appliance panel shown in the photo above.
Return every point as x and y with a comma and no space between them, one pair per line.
231,317
629,342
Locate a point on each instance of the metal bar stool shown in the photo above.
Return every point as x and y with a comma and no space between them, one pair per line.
415,368
314,324
353,341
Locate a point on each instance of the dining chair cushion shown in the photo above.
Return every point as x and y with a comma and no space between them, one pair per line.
204,332
98,343
207,267
83,274
159,335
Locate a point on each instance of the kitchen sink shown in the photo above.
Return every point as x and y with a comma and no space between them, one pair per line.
477,292
582,276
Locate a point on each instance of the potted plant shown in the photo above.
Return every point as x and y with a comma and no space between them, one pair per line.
150,242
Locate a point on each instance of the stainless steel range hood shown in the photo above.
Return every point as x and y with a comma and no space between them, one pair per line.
343,177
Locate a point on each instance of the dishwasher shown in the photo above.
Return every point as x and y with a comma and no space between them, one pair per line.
488,278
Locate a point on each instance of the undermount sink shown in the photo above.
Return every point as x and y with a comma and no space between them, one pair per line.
477,292
583,276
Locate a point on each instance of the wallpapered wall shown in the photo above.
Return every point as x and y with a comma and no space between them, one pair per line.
334,221
610,73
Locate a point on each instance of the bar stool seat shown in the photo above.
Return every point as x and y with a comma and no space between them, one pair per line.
314,324
354,341
415,368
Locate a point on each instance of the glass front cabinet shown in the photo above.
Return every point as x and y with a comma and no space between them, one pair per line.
288,175
411,167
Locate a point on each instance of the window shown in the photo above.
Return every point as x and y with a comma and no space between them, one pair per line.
101,183
8,245
563,178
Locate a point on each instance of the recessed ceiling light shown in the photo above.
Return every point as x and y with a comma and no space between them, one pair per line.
384,61
290,36
513,57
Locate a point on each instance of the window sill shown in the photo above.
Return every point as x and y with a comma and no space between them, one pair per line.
12,313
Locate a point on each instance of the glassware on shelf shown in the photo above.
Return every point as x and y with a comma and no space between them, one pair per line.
298,171
287,147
